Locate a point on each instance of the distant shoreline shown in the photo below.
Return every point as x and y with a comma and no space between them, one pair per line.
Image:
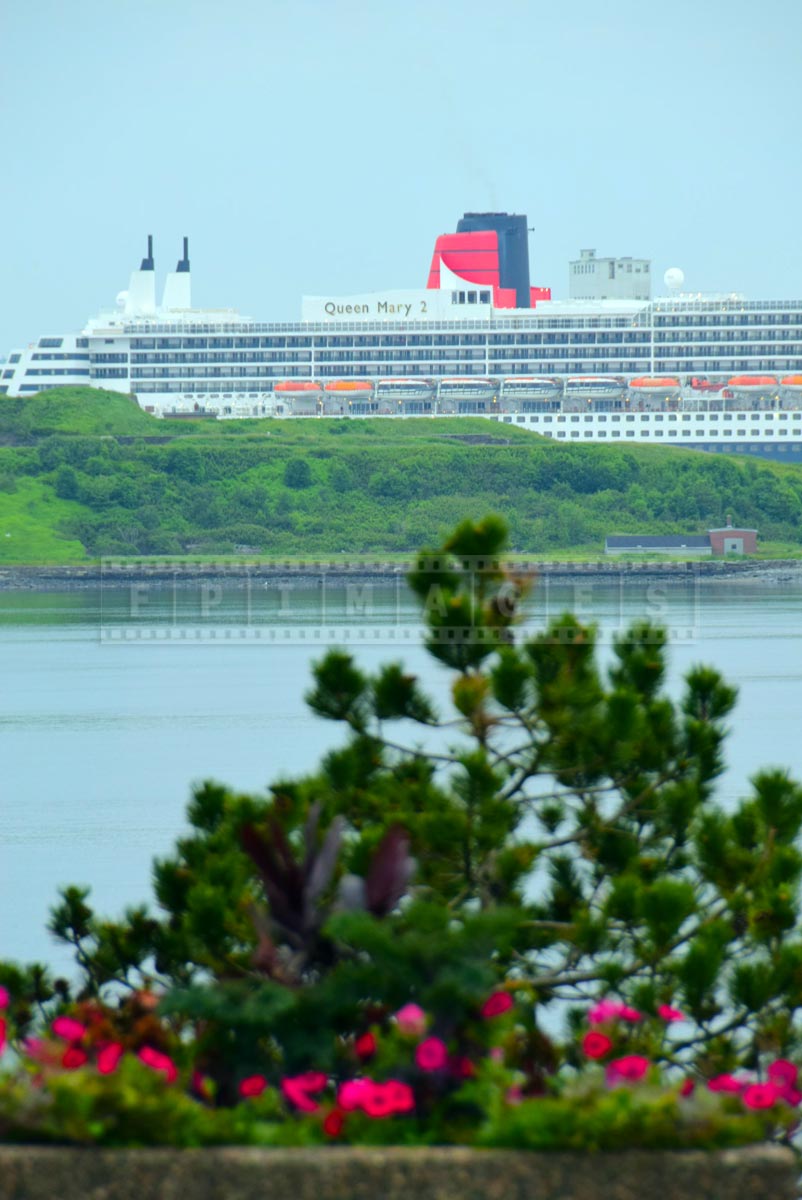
310,575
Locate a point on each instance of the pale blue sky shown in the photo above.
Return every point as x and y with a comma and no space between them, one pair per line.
319,146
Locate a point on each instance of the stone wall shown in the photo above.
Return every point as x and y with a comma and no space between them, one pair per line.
442,1173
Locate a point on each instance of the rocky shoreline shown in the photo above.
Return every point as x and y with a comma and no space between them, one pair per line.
113,573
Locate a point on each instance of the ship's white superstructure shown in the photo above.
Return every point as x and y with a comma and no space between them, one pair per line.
715,372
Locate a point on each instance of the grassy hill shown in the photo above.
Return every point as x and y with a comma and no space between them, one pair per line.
85,473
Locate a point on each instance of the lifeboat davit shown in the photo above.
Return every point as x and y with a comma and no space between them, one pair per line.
752,383
700,384
792,382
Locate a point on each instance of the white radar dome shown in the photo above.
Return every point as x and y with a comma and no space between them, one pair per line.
122,299
674,279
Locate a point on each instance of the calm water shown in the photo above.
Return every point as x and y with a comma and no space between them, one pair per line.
112,704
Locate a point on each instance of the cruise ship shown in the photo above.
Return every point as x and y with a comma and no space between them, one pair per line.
715,372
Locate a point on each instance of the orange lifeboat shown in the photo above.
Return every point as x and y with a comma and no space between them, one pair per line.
654,383
296,385
752,383
348,385
792,381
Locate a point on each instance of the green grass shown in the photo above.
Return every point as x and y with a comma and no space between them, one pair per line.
29,520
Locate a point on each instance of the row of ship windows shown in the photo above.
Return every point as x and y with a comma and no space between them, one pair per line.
598,355
718,342
59,357
644,433
630,417
57,371
683,321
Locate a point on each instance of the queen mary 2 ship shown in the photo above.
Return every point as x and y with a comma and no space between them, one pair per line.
714,372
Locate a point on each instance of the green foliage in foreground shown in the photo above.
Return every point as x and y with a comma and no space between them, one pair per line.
324,487
549,842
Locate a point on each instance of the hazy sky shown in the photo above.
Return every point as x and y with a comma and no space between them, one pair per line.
319,146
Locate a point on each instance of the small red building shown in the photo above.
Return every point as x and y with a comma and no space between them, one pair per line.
733,541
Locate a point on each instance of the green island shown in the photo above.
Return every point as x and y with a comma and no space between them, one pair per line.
86,473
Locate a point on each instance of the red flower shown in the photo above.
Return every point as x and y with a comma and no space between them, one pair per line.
297,1089
462,1067
4,998
781,1071
3,1029
158,1062
790,1095
726,1083
253,1085
365,1046
687,1087
334,1123
596,1045
109,1057
630,1068
74,1057
68,1029
761,1095
431,1055
202,1086
496,1004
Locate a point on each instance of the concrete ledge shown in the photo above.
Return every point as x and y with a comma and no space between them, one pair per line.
440,1173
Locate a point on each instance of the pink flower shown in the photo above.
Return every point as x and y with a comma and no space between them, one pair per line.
73,1058
298,1089
401,1095
726,1083
377,1100
253,1085
687,1087
158,1062
781,1071
596,1045
612,1010
790,1095
411,1020
3,1029
385,1099
108,1058
514,1095
4,998
669,1014
350,1094
431,1055
630,1068
761,1095
496,1004
68,1029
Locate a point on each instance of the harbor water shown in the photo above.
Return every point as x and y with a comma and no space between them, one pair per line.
114,701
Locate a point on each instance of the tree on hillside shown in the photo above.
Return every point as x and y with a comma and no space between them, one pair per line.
298,474
556,832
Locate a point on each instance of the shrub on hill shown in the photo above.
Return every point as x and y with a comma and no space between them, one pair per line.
368,486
